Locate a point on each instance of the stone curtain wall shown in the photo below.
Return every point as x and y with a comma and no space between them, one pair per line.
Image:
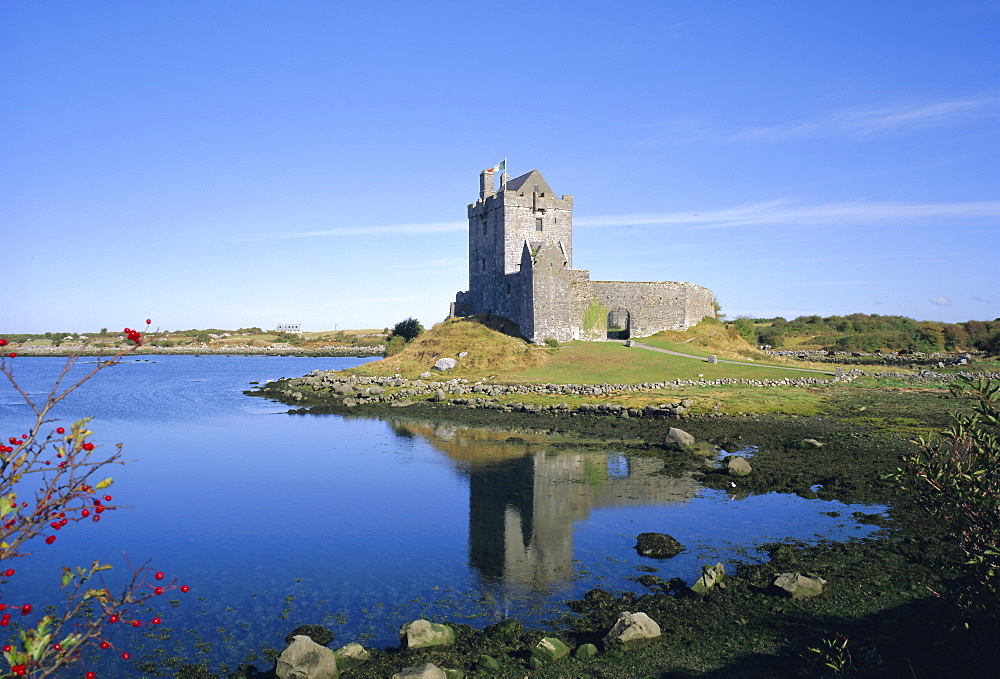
653,307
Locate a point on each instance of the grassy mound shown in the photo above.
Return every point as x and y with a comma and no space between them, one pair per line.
708,337
489,352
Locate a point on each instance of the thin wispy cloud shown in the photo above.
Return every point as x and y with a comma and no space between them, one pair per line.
941,301
781,212
879,121
430,227
784,212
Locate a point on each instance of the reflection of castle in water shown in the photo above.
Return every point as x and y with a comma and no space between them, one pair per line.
524,498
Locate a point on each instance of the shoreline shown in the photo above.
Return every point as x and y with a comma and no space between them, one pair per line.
882,592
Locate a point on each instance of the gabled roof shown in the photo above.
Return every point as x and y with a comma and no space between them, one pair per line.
531,182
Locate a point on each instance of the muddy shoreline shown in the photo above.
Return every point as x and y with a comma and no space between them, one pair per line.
883,594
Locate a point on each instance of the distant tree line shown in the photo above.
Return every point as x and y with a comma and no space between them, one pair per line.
872,332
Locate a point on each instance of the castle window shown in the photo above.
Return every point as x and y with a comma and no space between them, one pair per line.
483,263
484,227
508,288
538,223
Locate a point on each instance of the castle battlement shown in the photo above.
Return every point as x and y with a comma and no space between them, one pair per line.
521,268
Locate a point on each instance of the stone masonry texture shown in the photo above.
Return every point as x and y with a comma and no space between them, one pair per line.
521,269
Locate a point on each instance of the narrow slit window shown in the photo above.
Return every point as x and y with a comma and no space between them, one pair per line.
538,224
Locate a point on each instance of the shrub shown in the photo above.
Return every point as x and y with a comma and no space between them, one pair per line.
394,345
551,342
50,480
407,329
957,479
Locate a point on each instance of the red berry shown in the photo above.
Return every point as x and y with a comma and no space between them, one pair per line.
125,655
9,572
136,623
185,589
6,649
149,322
88,446
96,518
89,675
158,591
60,430
13,354
99,509
49,540
85,513
156,621
113,618
56,647
3,342
107,498
159,575
105,645
25,609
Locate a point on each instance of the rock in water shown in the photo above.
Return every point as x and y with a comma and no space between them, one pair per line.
632,630
548,650
351,655
678,438
657,545
710,577
424,634
798,586
305,659
737,466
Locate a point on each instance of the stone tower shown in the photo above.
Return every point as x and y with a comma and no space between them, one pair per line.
504,225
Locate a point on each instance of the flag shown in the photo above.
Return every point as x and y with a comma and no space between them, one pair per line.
502,166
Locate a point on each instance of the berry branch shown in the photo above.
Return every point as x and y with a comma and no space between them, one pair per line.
61,473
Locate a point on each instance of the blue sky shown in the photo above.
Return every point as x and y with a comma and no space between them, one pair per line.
227,164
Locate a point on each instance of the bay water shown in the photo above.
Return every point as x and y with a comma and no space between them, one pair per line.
276,520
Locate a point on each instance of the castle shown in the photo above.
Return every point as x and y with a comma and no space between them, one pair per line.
521,269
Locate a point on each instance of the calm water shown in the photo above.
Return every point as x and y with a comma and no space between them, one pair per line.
276,520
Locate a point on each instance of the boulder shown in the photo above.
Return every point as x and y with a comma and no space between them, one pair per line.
424,634
585,651
351,655
711,576
444,364
548,651
632,630
798,586
678,438
425,671
737,466
424,376
303,658
439,396
810,443
463,354
657,545
488,663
